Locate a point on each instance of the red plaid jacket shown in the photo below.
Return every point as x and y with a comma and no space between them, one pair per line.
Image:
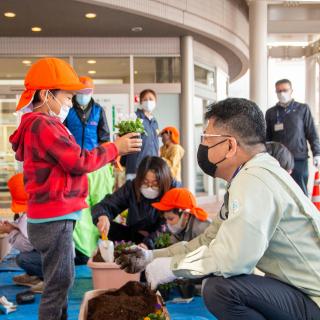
54,172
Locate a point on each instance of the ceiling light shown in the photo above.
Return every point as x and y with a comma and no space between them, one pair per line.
135,71
26,61
90,15
92,71
9,14
136,29
36,29
91,61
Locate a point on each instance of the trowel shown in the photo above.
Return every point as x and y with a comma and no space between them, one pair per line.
106,248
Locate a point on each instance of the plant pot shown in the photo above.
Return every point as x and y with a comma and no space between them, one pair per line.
108,275
187,289
95,293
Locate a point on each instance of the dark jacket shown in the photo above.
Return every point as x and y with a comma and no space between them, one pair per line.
141,215
298,128
150,144
89,126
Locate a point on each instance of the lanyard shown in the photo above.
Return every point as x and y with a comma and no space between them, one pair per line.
284,111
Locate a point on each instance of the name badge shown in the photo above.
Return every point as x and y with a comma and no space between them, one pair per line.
278,127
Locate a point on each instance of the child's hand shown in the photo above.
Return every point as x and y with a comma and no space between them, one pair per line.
103,225
6,227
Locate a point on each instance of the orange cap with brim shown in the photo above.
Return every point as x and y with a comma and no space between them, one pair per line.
174,133
87,81
50,73
18,193
180,198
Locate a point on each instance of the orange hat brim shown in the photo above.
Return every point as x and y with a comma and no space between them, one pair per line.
162,207
27,95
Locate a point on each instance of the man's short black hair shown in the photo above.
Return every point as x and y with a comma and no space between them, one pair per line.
283,81
282,154
240,117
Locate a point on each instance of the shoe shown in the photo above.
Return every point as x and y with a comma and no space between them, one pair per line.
37,288
26,280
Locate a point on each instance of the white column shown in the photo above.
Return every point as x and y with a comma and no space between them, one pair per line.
186,113
311,87
258,23
131,93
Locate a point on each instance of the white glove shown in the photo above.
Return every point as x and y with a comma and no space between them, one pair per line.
316,162
134,259
159,272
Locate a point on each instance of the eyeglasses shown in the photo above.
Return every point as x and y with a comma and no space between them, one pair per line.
205,136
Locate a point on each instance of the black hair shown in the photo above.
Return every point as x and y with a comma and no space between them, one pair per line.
283,81
240,117
36,97
160,169
282,154
144,92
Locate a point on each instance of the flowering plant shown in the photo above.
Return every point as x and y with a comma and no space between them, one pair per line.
157,315
163,240
121,245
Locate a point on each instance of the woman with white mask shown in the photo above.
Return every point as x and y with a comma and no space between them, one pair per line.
143,221
184,219
150,141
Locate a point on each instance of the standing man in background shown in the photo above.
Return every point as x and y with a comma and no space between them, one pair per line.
291,123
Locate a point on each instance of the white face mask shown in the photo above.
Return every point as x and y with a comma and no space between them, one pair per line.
64,108
149,192
284,97
149,105
178,227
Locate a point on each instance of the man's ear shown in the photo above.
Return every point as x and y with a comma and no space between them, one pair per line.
233,145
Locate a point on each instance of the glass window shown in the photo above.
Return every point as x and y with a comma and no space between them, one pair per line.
157,70
204,76
17,68
112,70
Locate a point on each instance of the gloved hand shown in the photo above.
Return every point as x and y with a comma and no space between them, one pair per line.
134,259
316,162
159,272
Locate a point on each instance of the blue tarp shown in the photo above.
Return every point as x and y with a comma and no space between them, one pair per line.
194,310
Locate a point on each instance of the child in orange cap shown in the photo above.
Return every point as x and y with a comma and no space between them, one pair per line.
28,258
183,218
55,174
171,151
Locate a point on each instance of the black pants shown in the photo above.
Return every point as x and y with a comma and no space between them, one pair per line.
300,174
119,232
53,240
251,297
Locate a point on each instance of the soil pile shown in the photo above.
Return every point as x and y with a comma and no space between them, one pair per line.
97,257
133,301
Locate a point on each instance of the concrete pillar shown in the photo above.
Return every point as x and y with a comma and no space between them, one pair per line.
311,86
186,113
258,23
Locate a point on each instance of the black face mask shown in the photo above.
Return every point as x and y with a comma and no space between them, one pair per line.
205,165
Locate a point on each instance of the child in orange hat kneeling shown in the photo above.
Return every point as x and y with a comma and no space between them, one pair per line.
55,174
184,219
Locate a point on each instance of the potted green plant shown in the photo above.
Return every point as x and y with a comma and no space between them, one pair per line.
128,126
163,240
165,289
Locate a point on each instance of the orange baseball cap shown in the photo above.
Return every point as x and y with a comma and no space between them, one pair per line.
50,73
180,198
87,81
174,133
18,193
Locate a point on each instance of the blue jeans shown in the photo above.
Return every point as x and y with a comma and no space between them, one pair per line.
31,263
300,174
251,297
